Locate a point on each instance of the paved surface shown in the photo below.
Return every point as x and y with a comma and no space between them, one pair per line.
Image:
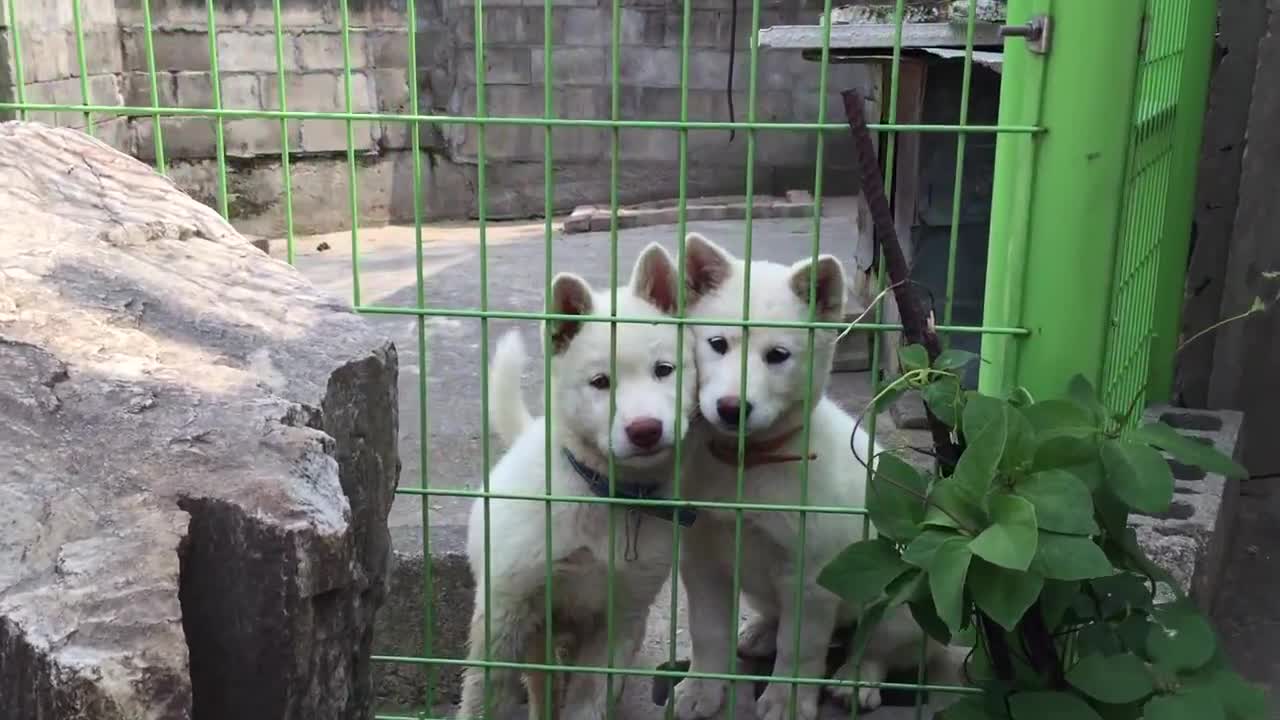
516,260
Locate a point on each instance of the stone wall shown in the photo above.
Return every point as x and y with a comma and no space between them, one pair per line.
313,78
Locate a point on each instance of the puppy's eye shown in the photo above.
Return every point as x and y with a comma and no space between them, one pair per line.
777,355
719,344
600,382
662,369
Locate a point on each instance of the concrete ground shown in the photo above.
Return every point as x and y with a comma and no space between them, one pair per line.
1246,611
451,456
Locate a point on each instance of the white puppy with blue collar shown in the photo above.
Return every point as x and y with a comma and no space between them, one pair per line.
506,540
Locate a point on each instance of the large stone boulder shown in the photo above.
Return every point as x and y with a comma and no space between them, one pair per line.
197,457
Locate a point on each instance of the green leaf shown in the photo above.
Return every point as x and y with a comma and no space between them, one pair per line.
869,619
862,571
921,550
913,357
1055,599
1020,448
1188,451
943,398
926,616
888,397
1011,541
1069,557
952,360
1082,393
1195,704
1122,592
1003,594
1113,679
1243,700
1057,416
1050,706
970,708
1180,638
1062,501
986,428
1020,397
895,498
1065,451
946,580
1138,475
954,505
905,588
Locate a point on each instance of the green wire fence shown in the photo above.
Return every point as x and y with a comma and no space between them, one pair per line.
1096,151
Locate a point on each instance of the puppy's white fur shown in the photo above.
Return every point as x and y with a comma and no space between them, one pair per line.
777,383
513,570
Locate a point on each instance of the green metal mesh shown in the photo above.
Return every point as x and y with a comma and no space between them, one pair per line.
1134,280
1152,160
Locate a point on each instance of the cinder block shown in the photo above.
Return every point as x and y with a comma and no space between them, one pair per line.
184,138
257,136
707,29
174,49
389,48
653,67
250,52
323,50
238,91
316,91
503,66
502,26
391,86
329,136
571,66
138,90
47,56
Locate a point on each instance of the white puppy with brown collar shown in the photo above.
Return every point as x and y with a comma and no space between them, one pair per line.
773,561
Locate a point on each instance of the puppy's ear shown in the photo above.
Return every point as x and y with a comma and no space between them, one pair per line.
570,295
828,283
654,278
706,266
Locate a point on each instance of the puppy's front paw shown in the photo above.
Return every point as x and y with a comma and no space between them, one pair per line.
698,698
758,637
868,697
775,703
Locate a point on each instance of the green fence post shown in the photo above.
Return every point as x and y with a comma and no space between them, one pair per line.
1202,23
1057,196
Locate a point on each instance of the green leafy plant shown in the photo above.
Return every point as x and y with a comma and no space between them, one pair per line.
1026,546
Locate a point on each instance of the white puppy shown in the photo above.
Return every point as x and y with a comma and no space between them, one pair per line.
506,540
773,408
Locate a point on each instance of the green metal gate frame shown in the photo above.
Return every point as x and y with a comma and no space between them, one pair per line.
1098,141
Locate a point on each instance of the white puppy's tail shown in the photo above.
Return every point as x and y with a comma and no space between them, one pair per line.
508,414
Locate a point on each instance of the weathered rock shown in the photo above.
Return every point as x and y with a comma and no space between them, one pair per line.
197,457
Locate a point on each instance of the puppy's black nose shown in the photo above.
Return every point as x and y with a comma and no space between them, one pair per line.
728,408
645,432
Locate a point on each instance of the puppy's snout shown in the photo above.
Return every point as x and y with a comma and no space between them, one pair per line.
645,432
728,409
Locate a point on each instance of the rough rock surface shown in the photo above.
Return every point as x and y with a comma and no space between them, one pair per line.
197,457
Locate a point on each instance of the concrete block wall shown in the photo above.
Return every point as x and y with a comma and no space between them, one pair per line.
379,43
51,66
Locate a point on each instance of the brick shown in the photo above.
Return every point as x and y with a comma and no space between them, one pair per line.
572,66
323,50
47,56
391,88
593,27
563,3
184,138
503,66
253,52
707,28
